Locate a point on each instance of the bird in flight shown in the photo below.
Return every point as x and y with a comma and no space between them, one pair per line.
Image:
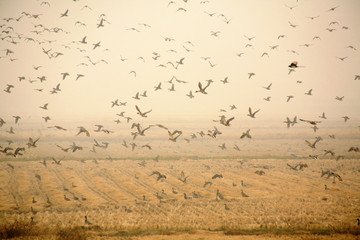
323,116
32,143
83,130
309,92
172,136
45,106
8,88
268,87
339,98
252,114
65,14
143,114
333,8
225,122
96,45
312,145
251,74
201,89
246,134
310,121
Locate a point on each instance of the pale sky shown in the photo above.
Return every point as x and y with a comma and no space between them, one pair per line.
89,98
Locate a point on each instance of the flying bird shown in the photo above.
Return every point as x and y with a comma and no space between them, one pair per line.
143,114
252,114
201,89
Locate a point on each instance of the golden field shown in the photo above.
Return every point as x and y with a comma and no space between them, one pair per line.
53,200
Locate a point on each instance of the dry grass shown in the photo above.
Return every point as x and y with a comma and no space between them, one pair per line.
17,228
282,202
24,228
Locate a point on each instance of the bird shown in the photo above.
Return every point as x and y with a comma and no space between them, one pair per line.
236,147
207,183
79,76
225,80
252,114
8,88
323,116
225,122
312,145
160,176
2,122
249,38
310,121
65,14
346,118
292,25
183,178
246,134
17,118
32,143
222,146
333,8
251,74
11,130
267,99
339,98
158,87
96,45
142,114
136,96
201,89
355,149
294,64
309,92
268,87
44,106
87,222
217,176
190,95
83,130
288,122
342,58
58,127
172,136
243,194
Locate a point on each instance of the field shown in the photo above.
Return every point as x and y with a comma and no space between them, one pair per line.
123,199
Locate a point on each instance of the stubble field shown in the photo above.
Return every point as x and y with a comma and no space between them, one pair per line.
123,198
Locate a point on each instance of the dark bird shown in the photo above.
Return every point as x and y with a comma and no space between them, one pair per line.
310,121
246,134
65,14
32,143
142,114
225,122
217,176
87,222
83,130
201,89
160,176
252,114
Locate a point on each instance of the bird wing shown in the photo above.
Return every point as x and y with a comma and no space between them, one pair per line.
147,111
229,120
137,108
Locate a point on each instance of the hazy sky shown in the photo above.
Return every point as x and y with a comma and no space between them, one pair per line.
89,98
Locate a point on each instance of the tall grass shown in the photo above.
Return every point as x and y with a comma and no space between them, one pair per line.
18,228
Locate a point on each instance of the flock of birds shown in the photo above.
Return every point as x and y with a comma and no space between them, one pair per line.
40,36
